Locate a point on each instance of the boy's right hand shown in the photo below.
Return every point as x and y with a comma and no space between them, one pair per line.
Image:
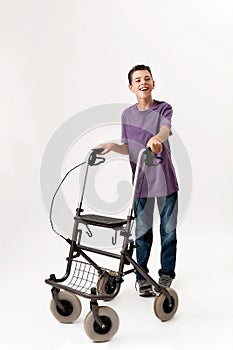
106,146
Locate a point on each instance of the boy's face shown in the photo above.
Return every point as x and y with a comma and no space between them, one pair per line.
142,83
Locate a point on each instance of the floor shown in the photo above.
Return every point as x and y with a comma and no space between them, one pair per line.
203,321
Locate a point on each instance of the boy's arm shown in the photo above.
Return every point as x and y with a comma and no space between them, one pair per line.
155,142
163,134
122,149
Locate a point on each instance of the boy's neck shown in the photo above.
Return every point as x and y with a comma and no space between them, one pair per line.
144,104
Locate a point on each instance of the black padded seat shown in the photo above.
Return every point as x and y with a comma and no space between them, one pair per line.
104,221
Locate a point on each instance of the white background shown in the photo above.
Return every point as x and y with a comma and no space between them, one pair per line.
61,57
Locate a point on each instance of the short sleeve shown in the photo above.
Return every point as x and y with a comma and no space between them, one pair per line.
166,116
124,138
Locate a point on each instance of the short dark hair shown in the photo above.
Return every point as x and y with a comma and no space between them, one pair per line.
135,68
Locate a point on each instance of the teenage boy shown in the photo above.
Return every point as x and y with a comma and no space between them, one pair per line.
148,123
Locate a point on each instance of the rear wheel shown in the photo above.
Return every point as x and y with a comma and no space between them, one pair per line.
72,307
163,310
107,284
110,320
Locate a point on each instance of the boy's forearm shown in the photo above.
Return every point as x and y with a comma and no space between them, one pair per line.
163,134
122,149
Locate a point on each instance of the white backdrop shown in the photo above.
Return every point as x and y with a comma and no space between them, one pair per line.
59,58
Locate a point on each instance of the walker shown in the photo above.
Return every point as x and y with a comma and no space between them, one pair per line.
89,280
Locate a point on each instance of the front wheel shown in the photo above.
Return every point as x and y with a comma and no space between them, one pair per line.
72,307
162,309
111,324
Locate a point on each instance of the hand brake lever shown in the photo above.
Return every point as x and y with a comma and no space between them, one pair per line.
93,157
149,158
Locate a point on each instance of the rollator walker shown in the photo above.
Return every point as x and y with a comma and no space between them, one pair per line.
89,280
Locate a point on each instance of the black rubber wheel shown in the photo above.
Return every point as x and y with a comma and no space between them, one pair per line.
107,285
111,321
72,307
162,309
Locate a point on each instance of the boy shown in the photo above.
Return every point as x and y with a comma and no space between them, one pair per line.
148,123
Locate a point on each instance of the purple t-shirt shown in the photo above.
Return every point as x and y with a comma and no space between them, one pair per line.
137,128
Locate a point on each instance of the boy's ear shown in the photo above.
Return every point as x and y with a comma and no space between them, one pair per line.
130,87
153,83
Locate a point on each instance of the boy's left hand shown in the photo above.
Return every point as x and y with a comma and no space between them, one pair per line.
155,145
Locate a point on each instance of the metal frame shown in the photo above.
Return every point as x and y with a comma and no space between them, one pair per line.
125,256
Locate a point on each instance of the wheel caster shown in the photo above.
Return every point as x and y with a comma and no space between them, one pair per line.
110,320
107,285
72,307
162,309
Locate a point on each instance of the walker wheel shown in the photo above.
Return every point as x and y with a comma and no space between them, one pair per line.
110,319
107,285
162,309
72,307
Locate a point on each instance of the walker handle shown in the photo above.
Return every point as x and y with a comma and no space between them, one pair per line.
150,157
93,156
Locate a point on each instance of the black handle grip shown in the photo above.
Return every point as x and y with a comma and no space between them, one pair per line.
97,150
150,157
93,156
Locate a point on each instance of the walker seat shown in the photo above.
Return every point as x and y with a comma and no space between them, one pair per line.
104,221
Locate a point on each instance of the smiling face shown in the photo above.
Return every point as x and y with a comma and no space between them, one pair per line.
142,84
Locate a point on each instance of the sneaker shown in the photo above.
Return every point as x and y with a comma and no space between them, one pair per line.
165,281
145,289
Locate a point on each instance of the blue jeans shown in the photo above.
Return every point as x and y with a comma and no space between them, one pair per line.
168,209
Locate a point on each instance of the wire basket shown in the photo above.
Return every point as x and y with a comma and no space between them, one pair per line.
85,277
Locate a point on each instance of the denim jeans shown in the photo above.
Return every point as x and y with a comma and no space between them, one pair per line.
168,209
